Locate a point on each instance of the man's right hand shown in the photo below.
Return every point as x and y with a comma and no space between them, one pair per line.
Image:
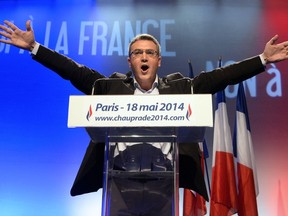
17,37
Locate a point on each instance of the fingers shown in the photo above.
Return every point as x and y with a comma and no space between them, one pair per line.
6,31
273,40
6,35
283,46
11,25
28,25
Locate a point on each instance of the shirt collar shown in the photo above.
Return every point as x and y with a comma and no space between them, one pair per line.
154,85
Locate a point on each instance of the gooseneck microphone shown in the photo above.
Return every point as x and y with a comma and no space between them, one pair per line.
115,75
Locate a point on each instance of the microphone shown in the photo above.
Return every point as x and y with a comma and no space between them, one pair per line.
93,87
114,75
129,74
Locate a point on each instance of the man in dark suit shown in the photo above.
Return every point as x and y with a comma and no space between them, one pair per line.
144,60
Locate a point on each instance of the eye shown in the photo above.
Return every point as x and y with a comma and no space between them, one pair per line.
150,52
137,52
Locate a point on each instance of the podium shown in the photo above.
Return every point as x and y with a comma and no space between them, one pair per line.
141,135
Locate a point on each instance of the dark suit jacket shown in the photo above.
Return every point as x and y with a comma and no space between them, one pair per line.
90,174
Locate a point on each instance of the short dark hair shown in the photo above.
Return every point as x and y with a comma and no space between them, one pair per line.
145,37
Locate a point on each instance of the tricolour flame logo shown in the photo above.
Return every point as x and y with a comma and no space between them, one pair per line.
189,112
89,113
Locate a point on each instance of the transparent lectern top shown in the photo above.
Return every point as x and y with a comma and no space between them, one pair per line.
147,134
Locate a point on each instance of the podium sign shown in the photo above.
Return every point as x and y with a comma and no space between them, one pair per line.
140,111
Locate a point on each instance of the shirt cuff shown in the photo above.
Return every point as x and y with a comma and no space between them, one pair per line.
263,60
35,49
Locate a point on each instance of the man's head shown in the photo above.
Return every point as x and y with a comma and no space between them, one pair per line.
145,37
144,59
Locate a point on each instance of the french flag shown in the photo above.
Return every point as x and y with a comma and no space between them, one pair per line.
223,184
243,150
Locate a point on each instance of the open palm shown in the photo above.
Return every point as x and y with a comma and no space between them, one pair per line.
17,37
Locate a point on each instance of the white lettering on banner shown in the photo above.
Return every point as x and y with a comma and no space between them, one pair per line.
47,34
116,44
109,39
4,47
100,31
273,88
62,40
165,37
128,31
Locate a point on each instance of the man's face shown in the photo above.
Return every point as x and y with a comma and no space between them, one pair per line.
144,62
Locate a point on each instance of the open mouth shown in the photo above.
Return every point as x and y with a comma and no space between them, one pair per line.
144,67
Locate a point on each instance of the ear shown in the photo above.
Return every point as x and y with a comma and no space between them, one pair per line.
159,61
129,61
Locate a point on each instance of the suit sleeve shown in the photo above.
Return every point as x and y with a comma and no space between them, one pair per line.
79,75
220,78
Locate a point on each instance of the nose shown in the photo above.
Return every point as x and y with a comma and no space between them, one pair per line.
144,57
